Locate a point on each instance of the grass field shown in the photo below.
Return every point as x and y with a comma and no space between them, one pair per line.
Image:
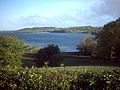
69,60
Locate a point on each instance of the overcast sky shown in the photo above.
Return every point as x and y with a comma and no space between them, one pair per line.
16,14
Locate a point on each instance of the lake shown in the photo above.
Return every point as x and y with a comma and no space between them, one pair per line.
66,41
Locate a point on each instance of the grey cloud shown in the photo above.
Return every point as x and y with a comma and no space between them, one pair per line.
103,12
112,7
108,7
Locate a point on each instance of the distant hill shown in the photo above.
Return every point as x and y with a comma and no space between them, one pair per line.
62,30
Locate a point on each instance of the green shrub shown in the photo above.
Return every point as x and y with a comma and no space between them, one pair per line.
50,54
82,78
87,47
11,50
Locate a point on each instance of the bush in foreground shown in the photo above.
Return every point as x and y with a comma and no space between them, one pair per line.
50,55
11,51
69,78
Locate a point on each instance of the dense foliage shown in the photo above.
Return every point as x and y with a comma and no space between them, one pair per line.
11,50
63,78
49,55
109,40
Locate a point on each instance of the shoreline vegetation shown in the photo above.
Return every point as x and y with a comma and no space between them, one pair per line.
77,29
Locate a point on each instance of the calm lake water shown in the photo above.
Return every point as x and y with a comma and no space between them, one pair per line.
65,41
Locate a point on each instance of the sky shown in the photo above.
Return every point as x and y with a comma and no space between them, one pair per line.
17,14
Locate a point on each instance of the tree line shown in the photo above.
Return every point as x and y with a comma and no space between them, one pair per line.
65,30
106,44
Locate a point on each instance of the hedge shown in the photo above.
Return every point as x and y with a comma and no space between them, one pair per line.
60,78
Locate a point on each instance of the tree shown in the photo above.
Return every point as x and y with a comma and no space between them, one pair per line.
87,47
50,54
11,51
109,40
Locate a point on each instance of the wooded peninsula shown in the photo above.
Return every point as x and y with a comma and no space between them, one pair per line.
76,29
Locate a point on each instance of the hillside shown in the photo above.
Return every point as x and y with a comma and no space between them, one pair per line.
63,30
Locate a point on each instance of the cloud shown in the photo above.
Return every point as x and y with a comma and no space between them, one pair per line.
103,11
108,7
98,13
56,21
36,20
